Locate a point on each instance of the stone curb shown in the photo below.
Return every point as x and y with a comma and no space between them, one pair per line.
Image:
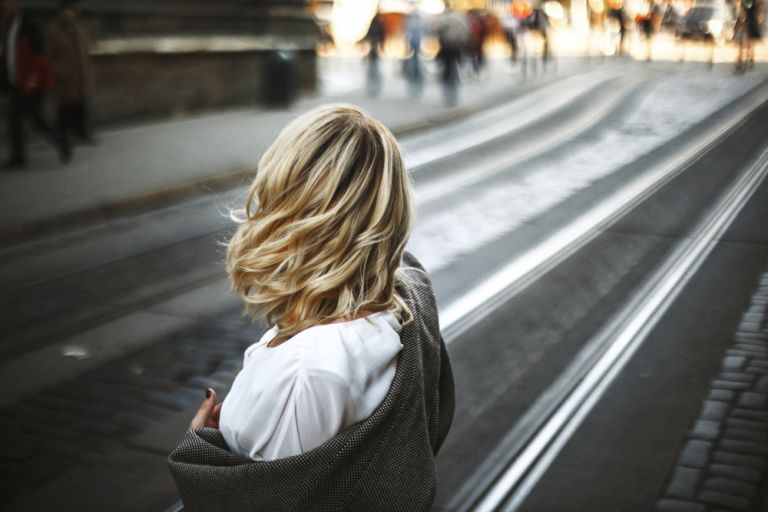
723,464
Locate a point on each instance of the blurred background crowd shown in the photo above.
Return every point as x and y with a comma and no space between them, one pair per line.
70,64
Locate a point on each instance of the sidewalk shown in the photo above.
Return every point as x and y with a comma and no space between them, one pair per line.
144,166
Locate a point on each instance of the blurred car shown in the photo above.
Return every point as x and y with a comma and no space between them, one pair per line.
714,21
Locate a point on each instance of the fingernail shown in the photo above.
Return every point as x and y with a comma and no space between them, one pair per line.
208,393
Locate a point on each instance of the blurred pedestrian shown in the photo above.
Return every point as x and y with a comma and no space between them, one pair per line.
414,32
453,34
375,38
539,22
645,22
509,25
350,394
669,17
753,14
26,78
69,48
478,33
617,13
740,37
522,10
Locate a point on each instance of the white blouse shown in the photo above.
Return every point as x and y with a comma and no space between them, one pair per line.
293,397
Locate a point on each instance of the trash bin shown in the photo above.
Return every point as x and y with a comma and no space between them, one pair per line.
280,78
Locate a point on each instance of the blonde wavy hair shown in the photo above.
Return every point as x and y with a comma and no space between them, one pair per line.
325,225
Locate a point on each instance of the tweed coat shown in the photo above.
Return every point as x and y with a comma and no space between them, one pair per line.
383,463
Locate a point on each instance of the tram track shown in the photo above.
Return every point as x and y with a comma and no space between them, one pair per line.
612,348
502,480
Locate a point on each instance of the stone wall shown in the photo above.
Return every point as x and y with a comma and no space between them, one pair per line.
155,85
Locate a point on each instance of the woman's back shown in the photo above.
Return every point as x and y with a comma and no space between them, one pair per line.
292,398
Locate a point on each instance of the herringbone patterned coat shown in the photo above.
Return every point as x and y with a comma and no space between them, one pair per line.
384,463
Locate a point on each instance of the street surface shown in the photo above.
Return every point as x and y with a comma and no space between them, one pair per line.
599,251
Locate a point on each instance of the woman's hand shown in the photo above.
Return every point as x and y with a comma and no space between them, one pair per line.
208,414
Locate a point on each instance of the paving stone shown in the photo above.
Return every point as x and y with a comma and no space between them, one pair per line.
130,422
730,385
706,430
118,402
202,383
684,483
752,335
29,414
757,363
15,453
752,340
93,411
762,385
69,450
721,395
712,410
753,370
50,402
756,351
749,414
98,427
741,473
695,453
734,362
750,326
753,317
667,505
727,500
752,400
56,432
745,447
730,486
759,309
740,434
170,401
738,459
736,377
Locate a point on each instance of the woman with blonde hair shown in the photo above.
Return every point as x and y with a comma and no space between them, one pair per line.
346,399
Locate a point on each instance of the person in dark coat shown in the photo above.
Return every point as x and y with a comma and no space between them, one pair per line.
375,39
26,78
453,34
69,48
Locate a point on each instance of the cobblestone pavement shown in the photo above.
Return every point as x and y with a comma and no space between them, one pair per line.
76,425
723,464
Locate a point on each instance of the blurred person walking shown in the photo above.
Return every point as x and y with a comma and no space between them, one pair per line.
414,32
453,34
69,48
753,17
617,13
539,22
478,30
375,38
645,22
510,25
26,78
522,11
